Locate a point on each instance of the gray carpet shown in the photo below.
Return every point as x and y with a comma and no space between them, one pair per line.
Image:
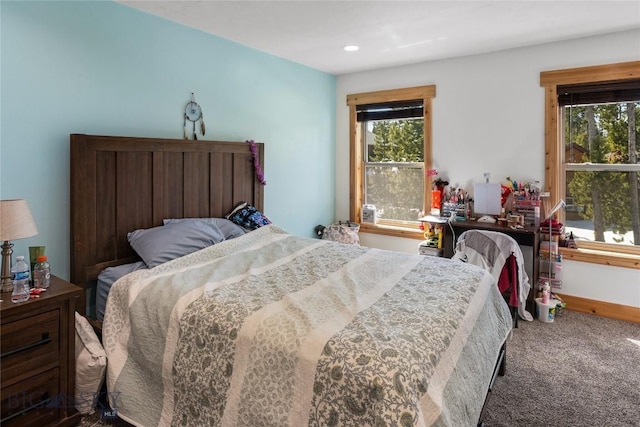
580,370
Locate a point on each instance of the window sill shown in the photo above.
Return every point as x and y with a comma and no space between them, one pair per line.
407,232
601,257
580,255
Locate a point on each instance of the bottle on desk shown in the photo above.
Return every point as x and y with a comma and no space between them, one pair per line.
41,273
20,278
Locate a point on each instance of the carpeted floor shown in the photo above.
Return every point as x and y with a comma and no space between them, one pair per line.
580,370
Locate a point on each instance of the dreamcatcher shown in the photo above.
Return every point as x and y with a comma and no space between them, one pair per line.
193,113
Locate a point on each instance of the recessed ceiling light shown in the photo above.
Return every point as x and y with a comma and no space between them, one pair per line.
351,48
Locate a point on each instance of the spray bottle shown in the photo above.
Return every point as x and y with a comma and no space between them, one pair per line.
546,290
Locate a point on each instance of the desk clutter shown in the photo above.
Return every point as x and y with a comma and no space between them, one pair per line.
434,235
513,203
455,210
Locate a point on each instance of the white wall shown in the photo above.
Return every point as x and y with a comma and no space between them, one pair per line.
488,116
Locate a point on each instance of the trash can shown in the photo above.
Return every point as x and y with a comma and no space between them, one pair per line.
546,312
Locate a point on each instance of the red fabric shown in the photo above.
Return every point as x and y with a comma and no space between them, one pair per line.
509,280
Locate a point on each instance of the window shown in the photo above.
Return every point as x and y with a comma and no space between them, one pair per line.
592,144
390,143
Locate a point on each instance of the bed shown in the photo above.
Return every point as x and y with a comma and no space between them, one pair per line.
270,328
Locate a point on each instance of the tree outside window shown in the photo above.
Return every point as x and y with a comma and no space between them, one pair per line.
592,118
394,169
604,202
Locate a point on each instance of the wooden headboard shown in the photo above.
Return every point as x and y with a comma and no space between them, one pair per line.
120,184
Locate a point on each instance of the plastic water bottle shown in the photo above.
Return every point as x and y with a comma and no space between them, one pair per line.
41,273
20,277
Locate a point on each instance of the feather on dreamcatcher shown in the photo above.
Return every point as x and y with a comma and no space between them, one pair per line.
193,114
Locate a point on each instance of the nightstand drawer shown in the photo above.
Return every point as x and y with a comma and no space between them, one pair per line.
29,346
35,401
37,367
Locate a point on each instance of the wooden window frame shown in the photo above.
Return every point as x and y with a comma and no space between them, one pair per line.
356,155
592,252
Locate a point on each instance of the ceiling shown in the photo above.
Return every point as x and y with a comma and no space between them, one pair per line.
392,33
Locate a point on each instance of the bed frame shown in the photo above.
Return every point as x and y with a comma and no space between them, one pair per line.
120,184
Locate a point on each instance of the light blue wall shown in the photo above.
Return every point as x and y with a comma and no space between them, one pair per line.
106,69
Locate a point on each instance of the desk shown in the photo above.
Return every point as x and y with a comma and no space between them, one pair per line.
527,236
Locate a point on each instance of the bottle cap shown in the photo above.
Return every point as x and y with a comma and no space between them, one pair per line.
20,257
42,258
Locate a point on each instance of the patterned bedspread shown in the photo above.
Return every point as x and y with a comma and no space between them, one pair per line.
272,329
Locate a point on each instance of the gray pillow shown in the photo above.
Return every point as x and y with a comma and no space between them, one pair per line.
108,277
158,245
229,229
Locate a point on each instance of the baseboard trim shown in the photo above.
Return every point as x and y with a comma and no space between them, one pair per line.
601,308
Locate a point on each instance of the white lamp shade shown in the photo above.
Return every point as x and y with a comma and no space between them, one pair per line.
16,221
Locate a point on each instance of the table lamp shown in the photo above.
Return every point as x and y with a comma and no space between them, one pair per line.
16,222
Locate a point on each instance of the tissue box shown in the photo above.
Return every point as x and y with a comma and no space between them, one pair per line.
369,214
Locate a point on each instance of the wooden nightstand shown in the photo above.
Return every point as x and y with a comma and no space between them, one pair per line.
37,371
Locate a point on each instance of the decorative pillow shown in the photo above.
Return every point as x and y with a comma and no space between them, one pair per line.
158,245
229,229
248,216
91,364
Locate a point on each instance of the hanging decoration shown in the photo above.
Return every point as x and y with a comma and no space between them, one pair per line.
256,161
193,113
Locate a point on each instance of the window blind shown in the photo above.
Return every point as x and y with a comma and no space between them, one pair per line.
390,110
599,93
